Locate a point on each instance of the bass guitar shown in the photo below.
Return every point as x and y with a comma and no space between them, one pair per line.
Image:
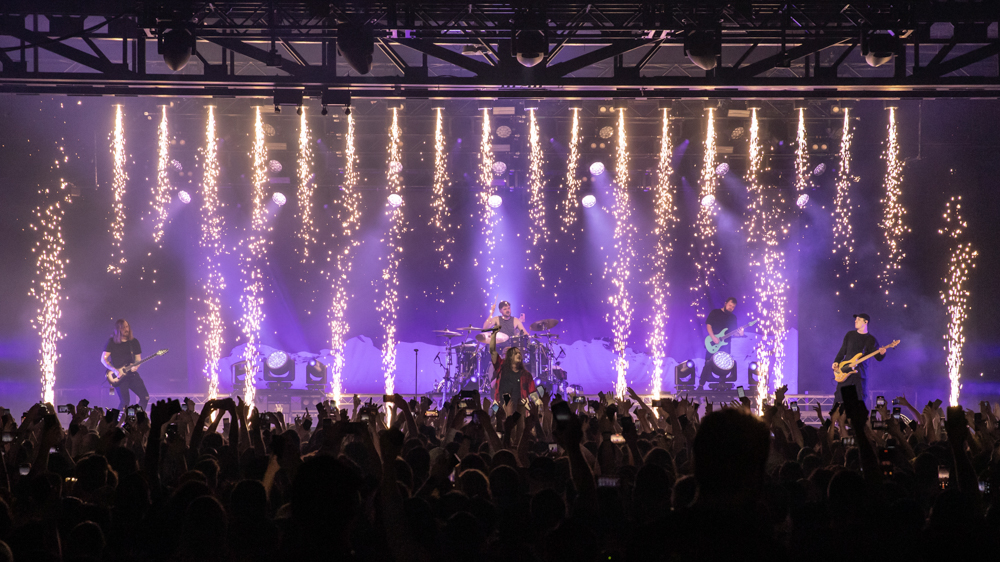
713,347
115,376
847,368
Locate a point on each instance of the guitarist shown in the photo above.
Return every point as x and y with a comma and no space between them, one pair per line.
719,319
122,350
857,341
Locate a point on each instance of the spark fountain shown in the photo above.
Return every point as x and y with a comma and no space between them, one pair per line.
161,193
210,322
892,207
666,219
843,235
707,252
47,288
621,269
118,189
390,274
956,294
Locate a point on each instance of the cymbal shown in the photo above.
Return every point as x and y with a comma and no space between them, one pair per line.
446,333
484,337
546,324
548,335
466,345
468,329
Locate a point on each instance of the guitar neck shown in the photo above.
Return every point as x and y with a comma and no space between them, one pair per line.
733,333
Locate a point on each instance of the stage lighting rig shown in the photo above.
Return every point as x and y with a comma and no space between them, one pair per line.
684,375
176,43
529,38
702,47
879,47
356,43
316,375
279,370
753,374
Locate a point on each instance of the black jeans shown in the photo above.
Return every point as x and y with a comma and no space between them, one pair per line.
858,381
133,382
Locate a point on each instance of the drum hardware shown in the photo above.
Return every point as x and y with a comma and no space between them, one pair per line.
542,325
484,337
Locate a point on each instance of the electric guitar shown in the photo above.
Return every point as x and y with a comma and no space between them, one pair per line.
115,376
712,347
847,368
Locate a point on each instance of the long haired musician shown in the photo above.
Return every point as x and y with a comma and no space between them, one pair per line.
120,353
510,376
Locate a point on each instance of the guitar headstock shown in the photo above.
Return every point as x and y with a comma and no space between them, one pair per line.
161,352
893,344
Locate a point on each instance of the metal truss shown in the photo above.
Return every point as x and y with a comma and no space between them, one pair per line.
449,49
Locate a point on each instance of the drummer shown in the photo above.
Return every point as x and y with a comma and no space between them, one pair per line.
508,324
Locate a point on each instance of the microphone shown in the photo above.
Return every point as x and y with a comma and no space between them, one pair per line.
493,329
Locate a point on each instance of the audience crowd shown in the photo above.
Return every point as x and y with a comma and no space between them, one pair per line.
611,479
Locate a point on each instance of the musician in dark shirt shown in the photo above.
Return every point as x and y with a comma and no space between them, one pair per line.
509,325
123,350
719,319
857,341
510,375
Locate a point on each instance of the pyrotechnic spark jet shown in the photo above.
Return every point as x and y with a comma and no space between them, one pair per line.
491,218
307,226
666,219
350,219
439,203
802,172
536,201
255,245
765,230
210,325
893,211
621,269
571,202
118,187
843,236
956,294
708,254
47,287
161,194
390,274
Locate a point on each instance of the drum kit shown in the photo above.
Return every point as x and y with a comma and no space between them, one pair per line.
467,363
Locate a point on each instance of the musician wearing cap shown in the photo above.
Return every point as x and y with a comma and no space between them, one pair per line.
509,325
857,341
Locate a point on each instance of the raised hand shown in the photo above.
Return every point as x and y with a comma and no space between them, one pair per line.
779,394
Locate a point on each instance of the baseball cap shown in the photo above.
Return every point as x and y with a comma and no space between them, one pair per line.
865,316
